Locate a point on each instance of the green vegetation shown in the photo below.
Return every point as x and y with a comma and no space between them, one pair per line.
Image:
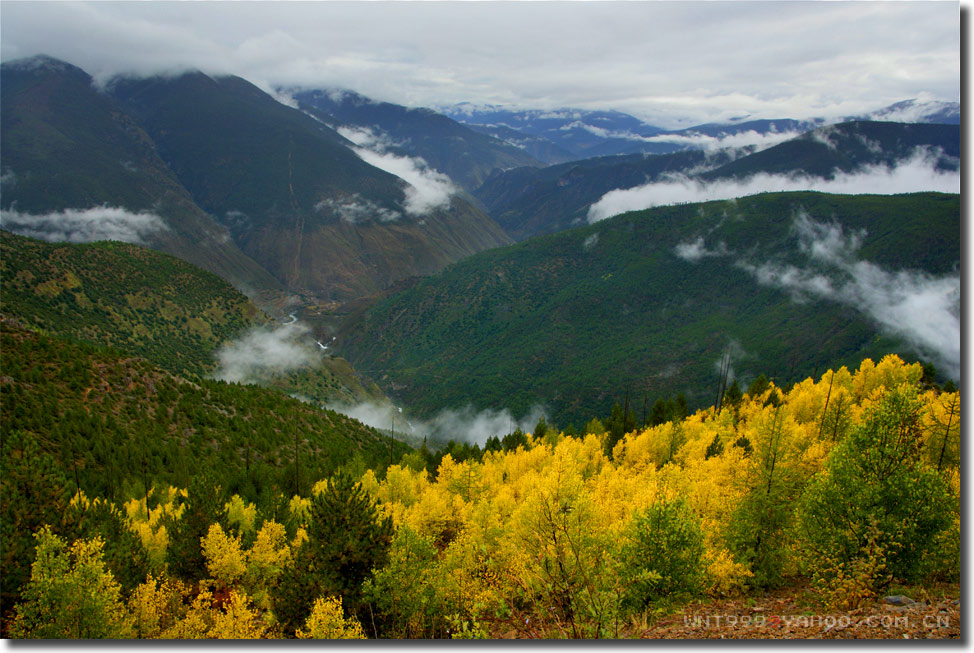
77,416
126,297
153,305
549,539
572,320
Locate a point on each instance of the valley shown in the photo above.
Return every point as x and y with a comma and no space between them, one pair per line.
287,361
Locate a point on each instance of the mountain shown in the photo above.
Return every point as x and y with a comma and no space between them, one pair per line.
575,133
221,174
919,111
652,300
464,155
77,167
176,315
529,202
293,193
849,147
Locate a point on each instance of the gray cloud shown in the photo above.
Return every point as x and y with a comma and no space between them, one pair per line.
85,225
910,175
816,58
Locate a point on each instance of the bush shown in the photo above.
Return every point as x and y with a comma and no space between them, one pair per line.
662,556
875,495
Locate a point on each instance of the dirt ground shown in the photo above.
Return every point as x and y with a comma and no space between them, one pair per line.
790,614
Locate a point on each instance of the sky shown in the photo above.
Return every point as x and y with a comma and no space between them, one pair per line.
671,63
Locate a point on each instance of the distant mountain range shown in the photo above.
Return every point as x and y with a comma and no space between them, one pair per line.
563,135
528,202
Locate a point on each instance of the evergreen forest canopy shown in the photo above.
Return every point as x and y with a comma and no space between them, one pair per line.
646,305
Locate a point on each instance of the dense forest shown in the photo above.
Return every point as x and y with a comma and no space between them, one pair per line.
847,484
577,320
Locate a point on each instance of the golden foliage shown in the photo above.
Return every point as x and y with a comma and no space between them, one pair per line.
327,621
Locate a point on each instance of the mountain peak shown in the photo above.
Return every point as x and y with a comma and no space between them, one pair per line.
43,63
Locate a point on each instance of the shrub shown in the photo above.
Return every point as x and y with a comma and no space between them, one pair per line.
662,556
875,495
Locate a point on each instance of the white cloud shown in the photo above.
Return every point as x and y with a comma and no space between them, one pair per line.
85,225
427,189
923,309
695,250
357,209
748,138
460,425
910,175
265,351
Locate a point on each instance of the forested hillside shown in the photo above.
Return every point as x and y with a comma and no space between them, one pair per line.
846,486
179,317
77,416
649,303
124,296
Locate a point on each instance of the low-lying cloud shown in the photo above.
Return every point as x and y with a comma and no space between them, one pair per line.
915,174
460,425
919,307
85,225
356,209
263,352
696,250
748,138
427,189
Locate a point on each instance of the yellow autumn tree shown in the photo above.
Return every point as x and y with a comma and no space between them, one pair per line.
71,595
327,621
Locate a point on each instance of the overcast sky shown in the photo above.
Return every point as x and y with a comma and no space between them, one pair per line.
672,63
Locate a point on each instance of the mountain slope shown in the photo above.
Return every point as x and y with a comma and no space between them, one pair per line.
75,166
466,156
652,300
848,147
528,202
166,310
293,193
126,297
